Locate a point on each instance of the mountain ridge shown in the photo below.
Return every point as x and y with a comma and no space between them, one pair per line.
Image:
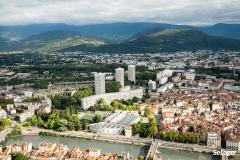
169,40
48,41
120,31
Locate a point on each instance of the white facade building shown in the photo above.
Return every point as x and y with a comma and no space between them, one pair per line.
166,72
231,87
46,105
119,76
132,73
32,107
28,93
94,152
232,105
3,113
87,102
116,123
25,115
233,144
213,140
190,74
152,85
21,147
165,87
162,77
162,80
99,83
10,109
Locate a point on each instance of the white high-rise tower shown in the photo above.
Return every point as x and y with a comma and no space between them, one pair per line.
99,83
119,76
132,73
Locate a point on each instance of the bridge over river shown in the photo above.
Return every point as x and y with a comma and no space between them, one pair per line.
4,133
152,150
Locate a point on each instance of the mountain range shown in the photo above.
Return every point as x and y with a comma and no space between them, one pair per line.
165,40
119,37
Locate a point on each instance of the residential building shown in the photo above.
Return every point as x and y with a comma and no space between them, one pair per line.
162,80
94,152
232,87
47,147
213,140
162,77
99,83
87,102
132,73
166,72
119,76
21,147
233,144
46,105
165,87
190,74
3,113
152,85
25,115
11,110
232,105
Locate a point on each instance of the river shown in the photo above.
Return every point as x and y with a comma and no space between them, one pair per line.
134,150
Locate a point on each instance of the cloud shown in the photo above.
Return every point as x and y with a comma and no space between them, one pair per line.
193,12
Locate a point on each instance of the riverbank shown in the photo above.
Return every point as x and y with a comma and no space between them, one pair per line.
122,140
82,143
91,136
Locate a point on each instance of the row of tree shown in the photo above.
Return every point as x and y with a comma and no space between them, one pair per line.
116,105
62,102
4,102
62,121
4,123
146,129
180,137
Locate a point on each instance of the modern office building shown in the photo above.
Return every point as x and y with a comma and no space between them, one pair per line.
132,73
99,83
119,76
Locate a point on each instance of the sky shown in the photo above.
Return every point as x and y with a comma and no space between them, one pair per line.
81,12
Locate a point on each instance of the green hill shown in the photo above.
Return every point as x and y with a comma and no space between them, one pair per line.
70,42
154,40
170,40
48,41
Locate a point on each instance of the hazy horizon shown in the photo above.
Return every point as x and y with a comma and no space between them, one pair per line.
80,12
9,25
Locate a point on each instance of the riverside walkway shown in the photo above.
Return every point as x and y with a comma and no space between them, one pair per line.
89,135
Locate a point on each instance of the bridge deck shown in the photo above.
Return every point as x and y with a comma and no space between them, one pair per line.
152,150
